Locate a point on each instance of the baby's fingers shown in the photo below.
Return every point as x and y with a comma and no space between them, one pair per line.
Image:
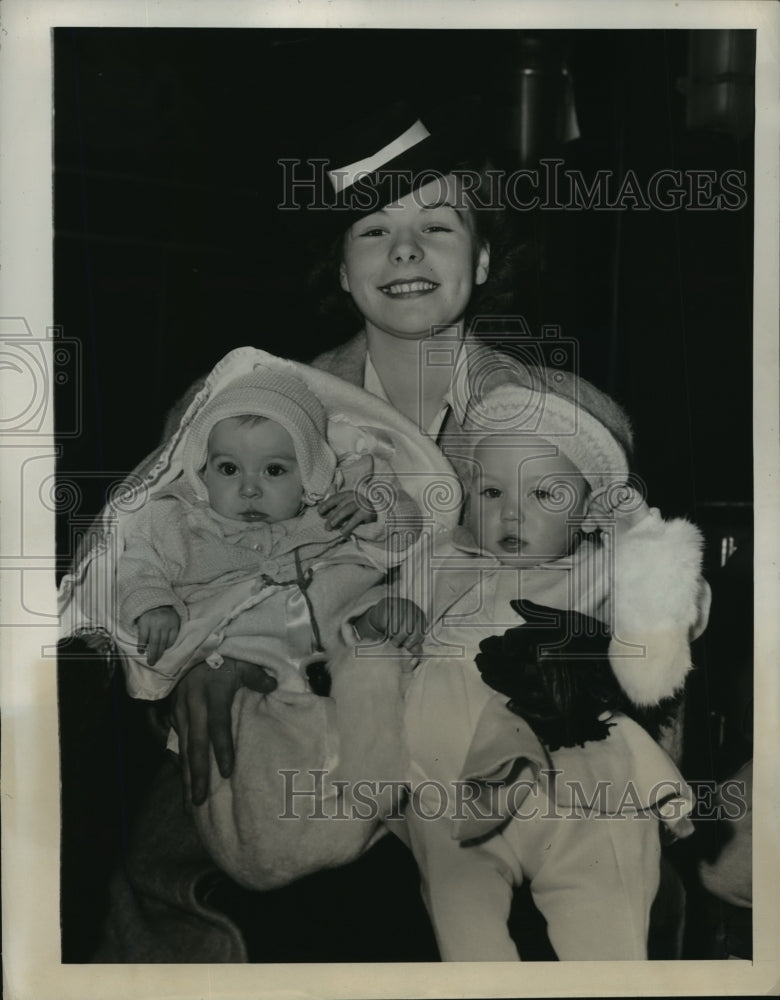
160,639
156,645
359,517
344,510
328,503
168,637
143,635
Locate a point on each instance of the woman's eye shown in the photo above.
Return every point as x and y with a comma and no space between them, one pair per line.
491,493
376,231
437,227
275,470
227,468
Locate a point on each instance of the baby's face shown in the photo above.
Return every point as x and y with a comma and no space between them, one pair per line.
252,471
523,507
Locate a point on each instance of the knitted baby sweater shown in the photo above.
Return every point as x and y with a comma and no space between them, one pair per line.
272,594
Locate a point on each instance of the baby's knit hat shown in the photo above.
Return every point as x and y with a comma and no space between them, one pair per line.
588,427
282,397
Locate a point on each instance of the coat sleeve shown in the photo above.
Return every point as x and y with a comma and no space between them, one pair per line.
347,361
143,570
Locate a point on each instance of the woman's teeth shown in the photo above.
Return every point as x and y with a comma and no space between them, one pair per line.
408,287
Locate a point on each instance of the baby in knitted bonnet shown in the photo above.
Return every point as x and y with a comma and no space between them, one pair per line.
234,556
258,547
561,607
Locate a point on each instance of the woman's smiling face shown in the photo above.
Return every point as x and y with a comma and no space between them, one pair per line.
412,265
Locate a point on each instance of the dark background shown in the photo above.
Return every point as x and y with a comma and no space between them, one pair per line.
169,252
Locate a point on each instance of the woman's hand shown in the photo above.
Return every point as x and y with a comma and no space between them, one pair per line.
345,512
201,704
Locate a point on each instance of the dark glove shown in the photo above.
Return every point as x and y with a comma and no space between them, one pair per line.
556,673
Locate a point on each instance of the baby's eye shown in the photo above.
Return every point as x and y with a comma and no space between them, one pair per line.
541,494
491,493
275,470
227,468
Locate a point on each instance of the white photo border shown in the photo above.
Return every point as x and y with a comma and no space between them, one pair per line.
30,777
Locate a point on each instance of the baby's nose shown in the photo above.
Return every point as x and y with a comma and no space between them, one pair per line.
250,488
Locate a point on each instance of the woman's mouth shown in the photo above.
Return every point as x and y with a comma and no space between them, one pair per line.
409,288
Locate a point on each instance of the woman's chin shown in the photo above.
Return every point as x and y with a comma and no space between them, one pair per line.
419,328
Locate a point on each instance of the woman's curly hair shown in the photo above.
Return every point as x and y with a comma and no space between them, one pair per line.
511,256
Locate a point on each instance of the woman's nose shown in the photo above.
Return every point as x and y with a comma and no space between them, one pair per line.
406,248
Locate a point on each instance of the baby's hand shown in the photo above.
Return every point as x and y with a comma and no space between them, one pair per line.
396,619
157,631
344,512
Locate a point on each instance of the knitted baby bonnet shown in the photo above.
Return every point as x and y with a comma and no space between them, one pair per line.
588,427
282,397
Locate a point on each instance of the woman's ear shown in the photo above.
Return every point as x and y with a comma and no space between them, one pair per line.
482,267
343,279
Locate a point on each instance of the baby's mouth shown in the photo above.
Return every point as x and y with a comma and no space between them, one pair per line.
409,288
511,544
253,515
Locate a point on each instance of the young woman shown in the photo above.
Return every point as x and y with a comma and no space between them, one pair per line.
417,248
